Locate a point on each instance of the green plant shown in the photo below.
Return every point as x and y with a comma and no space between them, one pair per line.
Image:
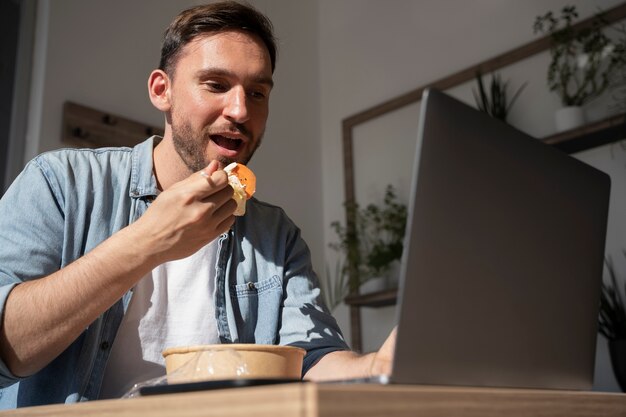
382,233
495,103
369,249
618,81
612,319
583,60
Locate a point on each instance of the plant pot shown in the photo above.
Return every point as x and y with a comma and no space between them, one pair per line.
393,275
373,285
617,350
568,118
617,104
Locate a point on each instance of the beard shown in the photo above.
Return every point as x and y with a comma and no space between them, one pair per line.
191,146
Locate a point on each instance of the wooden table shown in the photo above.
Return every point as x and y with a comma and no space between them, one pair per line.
312,400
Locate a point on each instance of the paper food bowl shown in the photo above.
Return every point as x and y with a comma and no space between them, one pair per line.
229,361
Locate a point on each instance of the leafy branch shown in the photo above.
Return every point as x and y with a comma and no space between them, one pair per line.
582,60
495,103
371,244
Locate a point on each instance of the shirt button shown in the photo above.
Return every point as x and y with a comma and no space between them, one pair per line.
251,286
104,345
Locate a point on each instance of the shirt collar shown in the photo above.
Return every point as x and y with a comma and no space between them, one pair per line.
142,180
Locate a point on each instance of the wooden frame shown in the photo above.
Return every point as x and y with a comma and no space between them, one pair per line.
86,127
348,124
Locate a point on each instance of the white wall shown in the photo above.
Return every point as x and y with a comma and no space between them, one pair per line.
100,53
375,50
337,57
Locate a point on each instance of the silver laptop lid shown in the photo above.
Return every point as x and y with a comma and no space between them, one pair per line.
503,257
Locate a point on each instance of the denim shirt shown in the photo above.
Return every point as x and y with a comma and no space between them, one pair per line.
67,202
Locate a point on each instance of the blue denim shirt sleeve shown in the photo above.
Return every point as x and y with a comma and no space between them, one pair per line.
306,321
30,223
272,295
62,205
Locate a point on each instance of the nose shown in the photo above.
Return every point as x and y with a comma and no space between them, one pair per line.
236,108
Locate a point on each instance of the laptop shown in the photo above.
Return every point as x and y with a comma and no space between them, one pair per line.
503,257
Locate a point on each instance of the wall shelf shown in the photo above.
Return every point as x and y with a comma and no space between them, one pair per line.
86,127
595,134
382,298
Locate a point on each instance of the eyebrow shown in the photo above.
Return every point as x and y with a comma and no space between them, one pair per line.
220,72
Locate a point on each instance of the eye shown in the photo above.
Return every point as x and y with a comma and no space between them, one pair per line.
216,86
257,95
259,92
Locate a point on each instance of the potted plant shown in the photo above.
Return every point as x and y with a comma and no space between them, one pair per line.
495,102
618,81
371,249
612,324
582,62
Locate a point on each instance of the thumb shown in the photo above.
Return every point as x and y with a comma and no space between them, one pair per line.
383,359
387,349
210,169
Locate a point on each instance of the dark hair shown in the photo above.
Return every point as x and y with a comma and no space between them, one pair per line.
213,18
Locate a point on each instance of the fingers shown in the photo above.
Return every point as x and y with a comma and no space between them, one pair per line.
219,215
210,180
220,195
208,171
226,209
208,186
213,175
388,346
212,167
226,224
221,203
190,213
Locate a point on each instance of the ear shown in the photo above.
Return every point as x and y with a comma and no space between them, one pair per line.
159,90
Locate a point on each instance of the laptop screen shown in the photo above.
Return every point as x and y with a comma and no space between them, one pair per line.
503,257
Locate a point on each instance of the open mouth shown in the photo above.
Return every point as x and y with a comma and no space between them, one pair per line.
227,143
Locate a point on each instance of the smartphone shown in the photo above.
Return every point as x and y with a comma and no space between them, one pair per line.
211,385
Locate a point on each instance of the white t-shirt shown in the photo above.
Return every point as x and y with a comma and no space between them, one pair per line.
171,306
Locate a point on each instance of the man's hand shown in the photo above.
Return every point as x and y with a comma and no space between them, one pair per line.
383,359
188,215
346,364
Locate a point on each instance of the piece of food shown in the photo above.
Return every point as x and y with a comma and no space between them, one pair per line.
243,181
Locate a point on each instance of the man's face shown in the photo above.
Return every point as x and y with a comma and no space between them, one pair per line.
220,99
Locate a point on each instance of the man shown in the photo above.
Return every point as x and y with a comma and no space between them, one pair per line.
110,256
